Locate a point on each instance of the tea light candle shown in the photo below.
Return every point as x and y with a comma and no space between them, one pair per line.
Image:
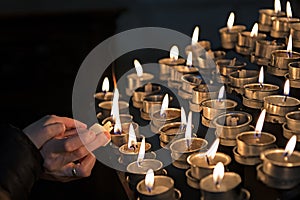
104,95
189,81
166,63
281,25
254,93
282,165
246,40
251,143
294,70
291,127
156,187
267,15
229,34
295,32
140,93
197,47
222,185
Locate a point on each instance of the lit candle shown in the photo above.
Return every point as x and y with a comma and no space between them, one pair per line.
198,48
229,34
281,166
267,15
246,40
295,32
251,143
104,95
222,185
292,125
140,93
281,25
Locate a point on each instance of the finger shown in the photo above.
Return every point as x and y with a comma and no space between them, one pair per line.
100,140
68,122
84,169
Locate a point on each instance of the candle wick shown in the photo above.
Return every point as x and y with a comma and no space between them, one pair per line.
285,97
261,85
149,189
218,185
289,54
207,160
163,115
286,156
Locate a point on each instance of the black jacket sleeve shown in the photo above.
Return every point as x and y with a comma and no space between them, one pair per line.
20,163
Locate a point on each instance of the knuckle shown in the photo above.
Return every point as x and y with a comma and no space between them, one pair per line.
81,152
68,146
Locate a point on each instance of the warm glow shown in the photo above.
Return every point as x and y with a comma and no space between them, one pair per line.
164,105
188,130
105,85
218,174
141,154
149,179
115,112
211,152
221,93
290,146
195,36
286,89
138,68
260,122
290,44
230,21
277,6
174,52
261,76
189,60
183,116
132,137
254,31
288,10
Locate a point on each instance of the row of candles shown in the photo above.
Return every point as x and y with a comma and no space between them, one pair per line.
276,167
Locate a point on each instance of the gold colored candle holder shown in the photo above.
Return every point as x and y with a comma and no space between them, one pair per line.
282,58
166,63
239,78
281,26
266,16
246,43
224,66
295,32
141,92
294,70
134,81
105,108
280,105
228,37
158,120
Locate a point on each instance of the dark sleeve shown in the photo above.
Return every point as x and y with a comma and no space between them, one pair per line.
20,163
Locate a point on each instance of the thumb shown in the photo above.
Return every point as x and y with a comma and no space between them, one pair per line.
48,132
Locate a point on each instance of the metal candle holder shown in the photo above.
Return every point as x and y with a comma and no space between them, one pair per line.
166,63
134,81
105,108
213,107
230,188
230,124
254,94
265,19
104,96
228,37
263,50
129,155
141,92
225,67
158,120
250,145
239,78
201,93
277,106
163,189
180,151
274,169
292,125
189,81
295,32
294,73
281,26
246,43
177,72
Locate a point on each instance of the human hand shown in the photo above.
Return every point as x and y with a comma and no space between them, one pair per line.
71,157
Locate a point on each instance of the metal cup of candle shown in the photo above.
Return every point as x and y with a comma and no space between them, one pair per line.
171,131
137,171
201,166
281,26
266,16
197,48
242,77
230,124
213,107
203,92
282,58
225,67
104,96
163,189
264,48
182,148
181,70
259,91
229,37
250,143
166,63
280,105
275,165
140,93
169,115
105,108
189,81
129,155
293,120
294,70
246,42
293,83
124,118
288,133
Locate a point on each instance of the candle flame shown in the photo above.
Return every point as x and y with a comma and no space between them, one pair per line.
230,21
141,154
254,31
260,122
188,130
132,137
286,89
183,116
277,6
189,60
115,112
164,105
218,174
138,68
290,146
149,179
221,93
174,52
288,10
261,76
290,44
105,85
195,36
211,152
